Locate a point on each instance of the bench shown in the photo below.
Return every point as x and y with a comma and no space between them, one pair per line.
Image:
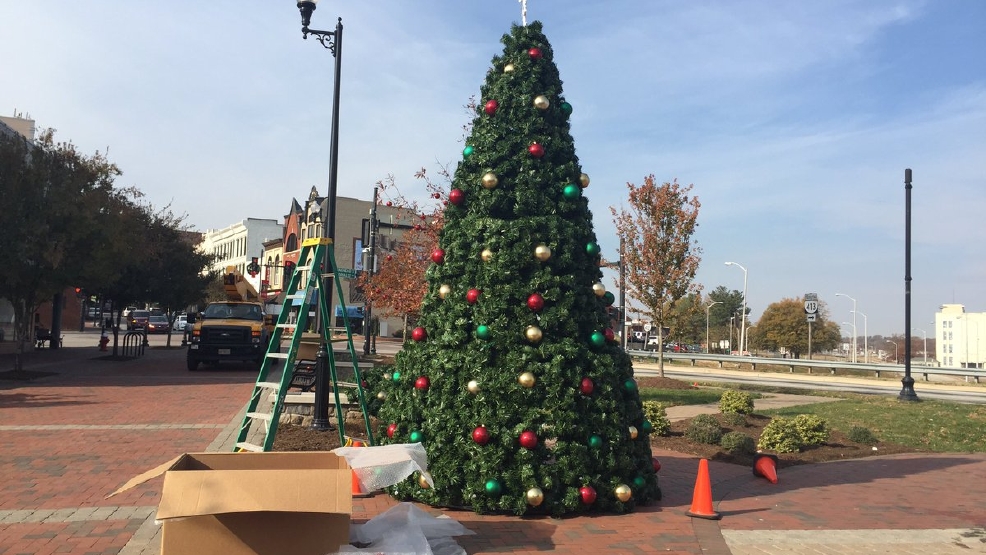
43,336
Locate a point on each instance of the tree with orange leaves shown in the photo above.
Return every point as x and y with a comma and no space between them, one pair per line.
400,284
660,257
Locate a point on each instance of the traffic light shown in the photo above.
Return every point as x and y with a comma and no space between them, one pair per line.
79,294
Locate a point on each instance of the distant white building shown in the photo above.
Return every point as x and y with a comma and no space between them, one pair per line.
961,337
237,244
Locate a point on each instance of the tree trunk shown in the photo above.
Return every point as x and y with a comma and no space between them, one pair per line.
660,350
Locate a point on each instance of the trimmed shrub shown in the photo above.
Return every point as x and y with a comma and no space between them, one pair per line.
861,434
655,412
733,419
704,428
733,401
780,435
738,443
812,429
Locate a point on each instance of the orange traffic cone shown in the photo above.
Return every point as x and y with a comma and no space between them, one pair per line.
702,498
357,486
765,466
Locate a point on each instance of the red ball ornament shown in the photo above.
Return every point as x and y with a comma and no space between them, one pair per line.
481,435
535,302
656,463
534,53
389,258
391,430
472,296
528,439
536,150
587,494
419,334
390,203
422,383
609,335
438,256
490,107
457,197
587,386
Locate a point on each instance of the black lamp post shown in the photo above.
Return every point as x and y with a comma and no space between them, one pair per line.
907,392
332,40
371,264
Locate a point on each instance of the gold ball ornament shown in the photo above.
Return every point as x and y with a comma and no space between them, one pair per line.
623,492
508,68
584,180
382,395
599,289
541,102
423,480
633,432
533,334
486,255
444,290
535,497
542,253
526,379
490,180
473,387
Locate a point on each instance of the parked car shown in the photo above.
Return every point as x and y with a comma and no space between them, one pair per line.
180,322
158,324
137,319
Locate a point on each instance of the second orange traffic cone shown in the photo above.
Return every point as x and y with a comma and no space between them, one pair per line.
765,466
357,486
702,498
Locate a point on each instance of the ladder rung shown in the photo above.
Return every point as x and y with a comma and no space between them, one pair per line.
303,269
268,385
288,326
260,415
244,446
296,296
277,355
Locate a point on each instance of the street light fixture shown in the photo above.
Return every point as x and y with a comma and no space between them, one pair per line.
854,344
866,341
895,349
925,334
331,40
707,307
743,321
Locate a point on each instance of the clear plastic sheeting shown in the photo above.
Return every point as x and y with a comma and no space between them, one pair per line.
406,530
385,465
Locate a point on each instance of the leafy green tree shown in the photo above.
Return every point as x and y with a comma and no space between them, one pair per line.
660,256
513,381
784,324
726,313
53,200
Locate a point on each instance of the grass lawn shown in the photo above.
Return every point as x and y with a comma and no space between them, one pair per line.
937,426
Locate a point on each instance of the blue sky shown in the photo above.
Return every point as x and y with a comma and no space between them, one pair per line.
793,120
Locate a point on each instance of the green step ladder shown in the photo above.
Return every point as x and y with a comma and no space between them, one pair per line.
259,423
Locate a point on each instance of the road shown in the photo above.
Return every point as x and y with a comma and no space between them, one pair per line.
958,392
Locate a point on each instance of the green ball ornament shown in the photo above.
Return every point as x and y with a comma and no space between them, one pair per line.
646,426
493,488
630,385
571,191
598,339
417,436
609,298
396,376
566,107
483,332
639,482
466,152
592,249
595,441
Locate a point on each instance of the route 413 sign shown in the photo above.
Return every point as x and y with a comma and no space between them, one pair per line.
811,306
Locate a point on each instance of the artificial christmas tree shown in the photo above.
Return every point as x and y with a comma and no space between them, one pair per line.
513,380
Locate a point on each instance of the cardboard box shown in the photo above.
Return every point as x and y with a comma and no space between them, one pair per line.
296,503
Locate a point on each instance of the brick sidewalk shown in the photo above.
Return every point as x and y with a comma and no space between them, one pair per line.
69,439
